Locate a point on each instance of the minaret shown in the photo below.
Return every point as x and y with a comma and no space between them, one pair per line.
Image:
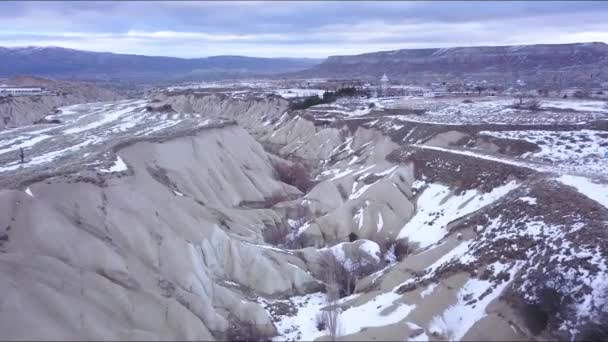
384,81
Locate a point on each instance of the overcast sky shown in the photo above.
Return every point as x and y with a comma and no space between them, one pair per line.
295,29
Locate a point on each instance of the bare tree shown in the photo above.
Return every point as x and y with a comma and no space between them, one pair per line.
331,314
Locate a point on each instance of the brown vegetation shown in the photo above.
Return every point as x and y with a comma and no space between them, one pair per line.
295,174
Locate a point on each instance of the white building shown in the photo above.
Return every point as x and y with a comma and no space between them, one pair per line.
20,90
384,81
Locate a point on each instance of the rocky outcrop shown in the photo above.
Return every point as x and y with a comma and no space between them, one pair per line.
147,257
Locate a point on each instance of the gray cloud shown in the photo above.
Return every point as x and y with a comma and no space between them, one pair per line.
299,28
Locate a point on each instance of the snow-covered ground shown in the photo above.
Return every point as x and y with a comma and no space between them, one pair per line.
498,111
85,133
300,325
298,92
596,191
473,298
437,206
577,105
349,107
583,150
381,310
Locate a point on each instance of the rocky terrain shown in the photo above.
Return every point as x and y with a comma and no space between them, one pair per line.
25,110
225,215
539,64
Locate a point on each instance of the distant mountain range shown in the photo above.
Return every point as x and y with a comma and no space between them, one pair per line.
556,64
57,62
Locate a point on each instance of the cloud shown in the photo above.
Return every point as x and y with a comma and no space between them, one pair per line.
299,28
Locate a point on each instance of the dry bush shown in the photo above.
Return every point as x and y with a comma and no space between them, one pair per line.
401,249
244,331
274,198
398,248
275,235
295,174
531,105
337,275
581,94
537,316
332,318
467,101
595,330
320,321
331,313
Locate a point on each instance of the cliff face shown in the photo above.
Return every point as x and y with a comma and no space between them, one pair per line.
570,59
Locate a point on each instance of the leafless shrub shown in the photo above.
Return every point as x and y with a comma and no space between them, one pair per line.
332,318
530,104
244,331
344,276
331,313
275,235
537,316
295,174
390,248
320,321
581,94
274,198
467,101
336,276
401,249
595,330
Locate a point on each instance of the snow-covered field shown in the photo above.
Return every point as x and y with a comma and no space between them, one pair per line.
437,206
500,111
298,92
578,105
582,151
85,134
596,191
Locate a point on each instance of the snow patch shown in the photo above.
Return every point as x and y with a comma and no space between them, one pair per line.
438,206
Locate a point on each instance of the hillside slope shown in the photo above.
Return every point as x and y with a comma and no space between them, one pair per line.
574,62
69,63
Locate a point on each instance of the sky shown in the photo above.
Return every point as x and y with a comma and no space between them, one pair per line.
295,29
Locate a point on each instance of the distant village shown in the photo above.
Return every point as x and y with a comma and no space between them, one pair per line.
6,91
385,87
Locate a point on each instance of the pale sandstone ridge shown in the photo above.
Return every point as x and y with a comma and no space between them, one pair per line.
139,259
